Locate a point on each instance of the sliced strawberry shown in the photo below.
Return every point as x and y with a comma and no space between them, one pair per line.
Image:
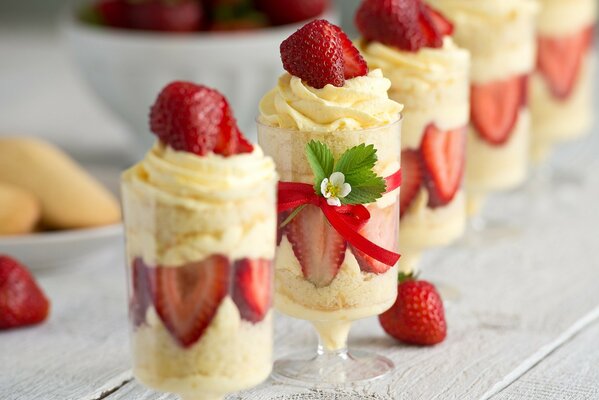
560,60
353,62
404,24
412,176
377,231
281,217
444,155
22,302
315,55
252,288
495,107
187,297
197,119
442,24
317,246
166,16
141,295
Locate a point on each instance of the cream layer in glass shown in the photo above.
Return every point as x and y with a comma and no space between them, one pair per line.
179,209
500,35
433,86
293,114
561,119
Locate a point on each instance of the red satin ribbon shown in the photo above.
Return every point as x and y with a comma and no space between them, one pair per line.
346,219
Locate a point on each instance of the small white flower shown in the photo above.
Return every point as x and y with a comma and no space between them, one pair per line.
335,188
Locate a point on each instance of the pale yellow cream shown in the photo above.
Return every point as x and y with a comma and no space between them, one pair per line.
361,103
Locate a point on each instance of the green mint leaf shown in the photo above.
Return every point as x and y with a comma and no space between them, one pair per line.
321,161
368,189
357,159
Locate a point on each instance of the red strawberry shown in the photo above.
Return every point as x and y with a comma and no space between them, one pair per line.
560,59
187,297
22,302
377,231
353,62
317,246
404,24
166,16
442,24
417,317
282,12
281,217
252,289
444,155
197,119
320,54
113,12
141,295
412,177
495,107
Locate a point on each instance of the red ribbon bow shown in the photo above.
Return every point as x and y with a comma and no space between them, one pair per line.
346,219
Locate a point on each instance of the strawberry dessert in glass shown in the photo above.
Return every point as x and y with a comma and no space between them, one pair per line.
500,35
410,42
561,92
200,227
335,138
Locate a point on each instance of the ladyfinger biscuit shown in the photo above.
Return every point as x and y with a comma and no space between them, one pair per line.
69,196
19,210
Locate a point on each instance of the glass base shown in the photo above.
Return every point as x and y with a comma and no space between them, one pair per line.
482,231
332,369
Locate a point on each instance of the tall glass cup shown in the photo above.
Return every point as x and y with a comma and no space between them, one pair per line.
200,271
319,276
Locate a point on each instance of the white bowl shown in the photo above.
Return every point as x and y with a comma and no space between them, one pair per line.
127,69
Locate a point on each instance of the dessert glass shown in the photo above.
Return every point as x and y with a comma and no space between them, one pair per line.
353,293
500,35
433,86
562,113
195,252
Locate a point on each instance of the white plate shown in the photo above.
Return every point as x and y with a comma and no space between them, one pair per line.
62,248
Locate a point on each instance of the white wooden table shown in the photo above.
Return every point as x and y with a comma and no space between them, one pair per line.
527,326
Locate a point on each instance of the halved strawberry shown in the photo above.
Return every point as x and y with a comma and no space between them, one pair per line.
377,231
560,60
187,297
252,288
412,173
320,53
141,296
442,24
444,155
317,246
353,62
196,119
495,107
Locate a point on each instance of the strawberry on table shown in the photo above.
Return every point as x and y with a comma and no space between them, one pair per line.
317,246
560,60
444,155
412,172
282,12
252,288
495,107
22,302
196,119
187,297
417,316
320,53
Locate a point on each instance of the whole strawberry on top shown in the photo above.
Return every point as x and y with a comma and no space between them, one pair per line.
320,53
405,24
197,119
418,316
22,302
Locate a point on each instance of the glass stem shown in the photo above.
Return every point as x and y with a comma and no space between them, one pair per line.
332,336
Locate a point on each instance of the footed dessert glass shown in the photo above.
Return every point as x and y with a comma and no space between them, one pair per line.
200,270
319,275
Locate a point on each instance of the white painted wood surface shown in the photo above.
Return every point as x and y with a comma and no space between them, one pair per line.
524,328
